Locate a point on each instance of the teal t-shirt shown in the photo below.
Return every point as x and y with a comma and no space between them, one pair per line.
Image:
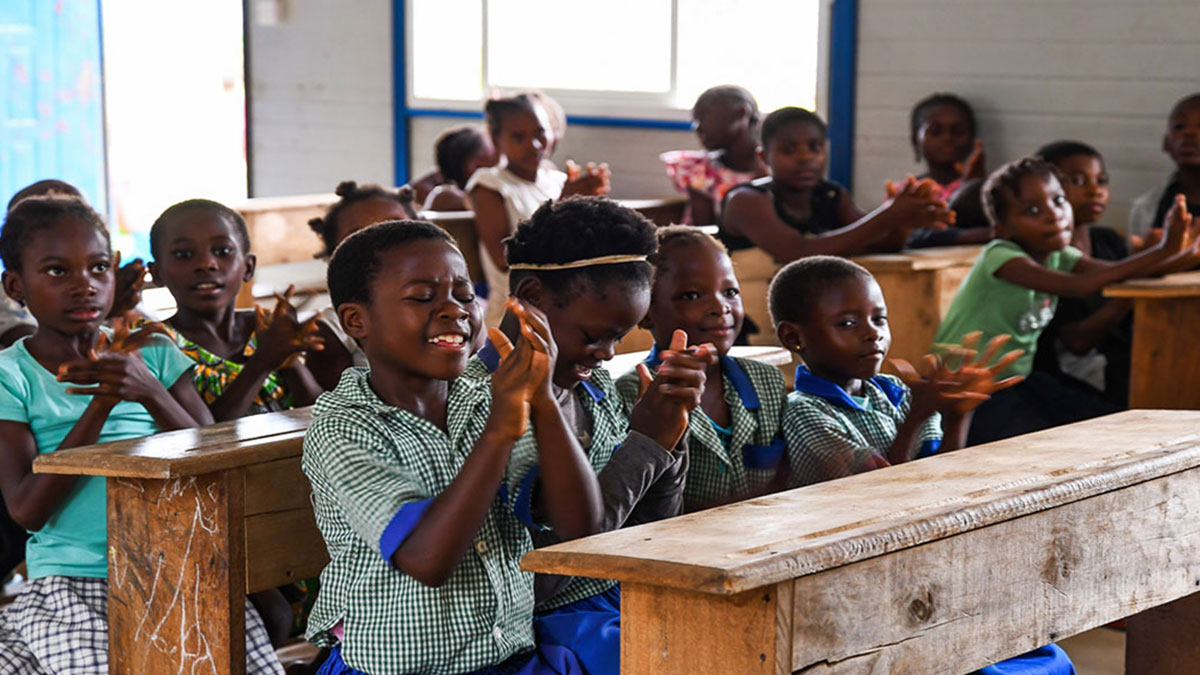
987,303
73,541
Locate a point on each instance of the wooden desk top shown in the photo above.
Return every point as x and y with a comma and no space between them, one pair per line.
739,547
1182,285
934,258
187,452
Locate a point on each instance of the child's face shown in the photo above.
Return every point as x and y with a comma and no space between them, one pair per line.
588,327
524,140
719,124
422,318
846,336
1086,187
202,262
944,136
1039,216
695,290
66,277
1182,141
797,155
367,212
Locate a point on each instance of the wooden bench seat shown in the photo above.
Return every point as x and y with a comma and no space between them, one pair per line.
942,565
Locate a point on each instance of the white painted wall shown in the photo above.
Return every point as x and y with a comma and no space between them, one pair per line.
1105,72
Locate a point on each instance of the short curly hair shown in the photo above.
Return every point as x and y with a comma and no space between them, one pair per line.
729,93
356,263
674,236
349,193
798,287
216,208
777,120
44,187
579,228
917,116
34,214
454,147
1004,185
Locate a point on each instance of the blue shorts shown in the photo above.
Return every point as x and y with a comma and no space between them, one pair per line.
1048,660
591,628
544,661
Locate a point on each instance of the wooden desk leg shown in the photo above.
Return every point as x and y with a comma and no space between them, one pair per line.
176,575
1162,641
1165,366
666,631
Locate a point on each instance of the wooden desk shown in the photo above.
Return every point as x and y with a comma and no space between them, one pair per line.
1164,371
942,565
197,519
278,226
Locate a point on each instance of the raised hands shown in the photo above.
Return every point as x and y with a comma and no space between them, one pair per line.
114,368
591,180
282,339
1181,232
522,380
130,280
958,379
666,398
974,166
914,205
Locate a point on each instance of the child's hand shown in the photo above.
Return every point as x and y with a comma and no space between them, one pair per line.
118,376
666,399
125,338
914,206
963,372
523,370
974,165
282,340
1177,228
535,328
130,280
592,180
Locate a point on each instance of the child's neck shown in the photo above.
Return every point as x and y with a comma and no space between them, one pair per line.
221,332
798,200
852,385
52,349
1189,182
422,396
741,156
943,174
521,172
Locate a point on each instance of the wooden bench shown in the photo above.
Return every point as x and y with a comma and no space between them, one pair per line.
918,286
1164,371
942,565
197,519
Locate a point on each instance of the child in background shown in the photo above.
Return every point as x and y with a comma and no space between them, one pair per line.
406,459
726,121
734,445
1014,286
795,212
459,152
943,134
844,417
1090,339
504,195
1182,144
582,262
359,206
74,383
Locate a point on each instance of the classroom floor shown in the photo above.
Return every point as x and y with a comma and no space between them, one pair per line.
1097,652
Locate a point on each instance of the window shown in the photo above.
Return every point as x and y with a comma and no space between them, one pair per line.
644,58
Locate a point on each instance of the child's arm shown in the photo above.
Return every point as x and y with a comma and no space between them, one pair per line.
1083,335
328,364
704,212
491,223
120,376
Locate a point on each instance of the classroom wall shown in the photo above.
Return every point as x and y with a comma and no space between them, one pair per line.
1102,71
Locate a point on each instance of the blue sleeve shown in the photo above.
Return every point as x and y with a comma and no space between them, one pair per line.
402,525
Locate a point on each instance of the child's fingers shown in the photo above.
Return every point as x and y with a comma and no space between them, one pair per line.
929,366
1008,382
1005,361
501,342
905,370
992,348
645,379
678,340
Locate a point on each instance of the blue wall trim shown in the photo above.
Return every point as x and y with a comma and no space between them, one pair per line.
843,50
400,113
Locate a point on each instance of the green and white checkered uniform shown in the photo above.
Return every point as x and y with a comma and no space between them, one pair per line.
831,434
640,481
373,469
722,471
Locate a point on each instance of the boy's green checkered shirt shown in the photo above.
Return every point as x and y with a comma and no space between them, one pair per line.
374,469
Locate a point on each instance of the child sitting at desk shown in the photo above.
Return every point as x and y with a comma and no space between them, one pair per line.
582,262
459,153
74,383
1014,286
407,459
1182,145
734,445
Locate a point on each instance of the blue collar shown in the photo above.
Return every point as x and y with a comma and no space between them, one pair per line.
741,382
808,383
491,360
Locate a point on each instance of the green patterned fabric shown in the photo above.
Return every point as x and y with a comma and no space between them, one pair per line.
213,375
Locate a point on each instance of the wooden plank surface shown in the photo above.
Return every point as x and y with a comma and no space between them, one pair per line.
840,522
1182,285
283,547
1164,367
935,258
187,452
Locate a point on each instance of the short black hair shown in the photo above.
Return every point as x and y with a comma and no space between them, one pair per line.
579,228
781,118
189,205
933,101
1186,100
1057,151
681,235
44,187
350,192
797,288
497,109
1004,185
729,93
452,150
356,261
31,215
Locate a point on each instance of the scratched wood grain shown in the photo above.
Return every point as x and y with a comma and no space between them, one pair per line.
176,592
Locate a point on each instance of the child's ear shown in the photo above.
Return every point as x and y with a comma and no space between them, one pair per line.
790,336
646,323
13,287
531,290
354,319
762,155
152,268
251,265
